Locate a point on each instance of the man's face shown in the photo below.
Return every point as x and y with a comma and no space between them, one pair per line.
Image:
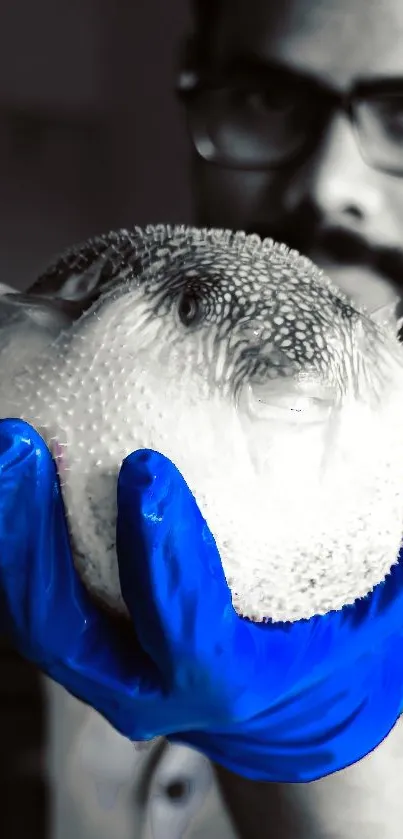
327,201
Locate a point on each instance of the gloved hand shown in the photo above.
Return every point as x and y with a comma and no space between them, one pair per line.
274,702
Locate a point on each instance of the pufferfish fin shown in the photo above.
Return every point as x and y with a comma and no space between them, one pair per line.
7,289
84,272
390,315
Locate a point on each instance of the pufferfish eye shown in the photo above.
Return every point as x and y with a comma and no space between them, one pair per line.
190,308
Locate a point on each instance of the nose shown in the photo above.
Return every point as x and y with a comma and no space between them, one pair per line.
336,180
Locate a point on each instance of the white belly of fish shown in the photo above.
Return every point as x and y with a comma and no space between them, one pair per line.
292,543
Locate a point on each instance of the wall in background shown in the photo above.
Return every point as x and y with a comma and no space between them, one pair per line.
91,136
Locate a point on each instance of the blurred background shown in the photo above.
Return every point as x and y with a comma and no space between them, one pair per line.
86,94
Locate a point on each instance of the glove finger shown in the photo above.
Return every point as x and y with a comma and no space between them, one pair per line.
174,586
44,607
171,574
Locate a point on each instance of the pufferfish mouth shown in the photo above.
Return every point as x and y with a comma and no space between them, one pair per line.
302,402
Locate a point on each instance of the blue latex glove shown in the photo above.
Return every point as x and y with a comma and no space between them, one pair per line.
274,702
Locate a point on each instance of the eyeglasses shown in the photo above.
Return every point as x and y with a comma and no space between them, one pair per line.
265,121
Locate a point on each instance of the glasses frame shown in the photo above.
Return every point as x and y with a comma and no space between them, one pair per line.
191,84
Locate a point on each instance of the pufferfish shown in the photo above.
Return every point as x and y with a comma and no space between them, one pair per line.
277,398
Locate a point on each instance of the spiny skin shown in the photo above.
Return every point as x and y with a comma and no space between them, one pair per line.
279,401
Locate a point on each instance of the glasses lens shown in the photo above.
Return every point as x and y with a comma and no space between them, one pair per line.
249,127
379,126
